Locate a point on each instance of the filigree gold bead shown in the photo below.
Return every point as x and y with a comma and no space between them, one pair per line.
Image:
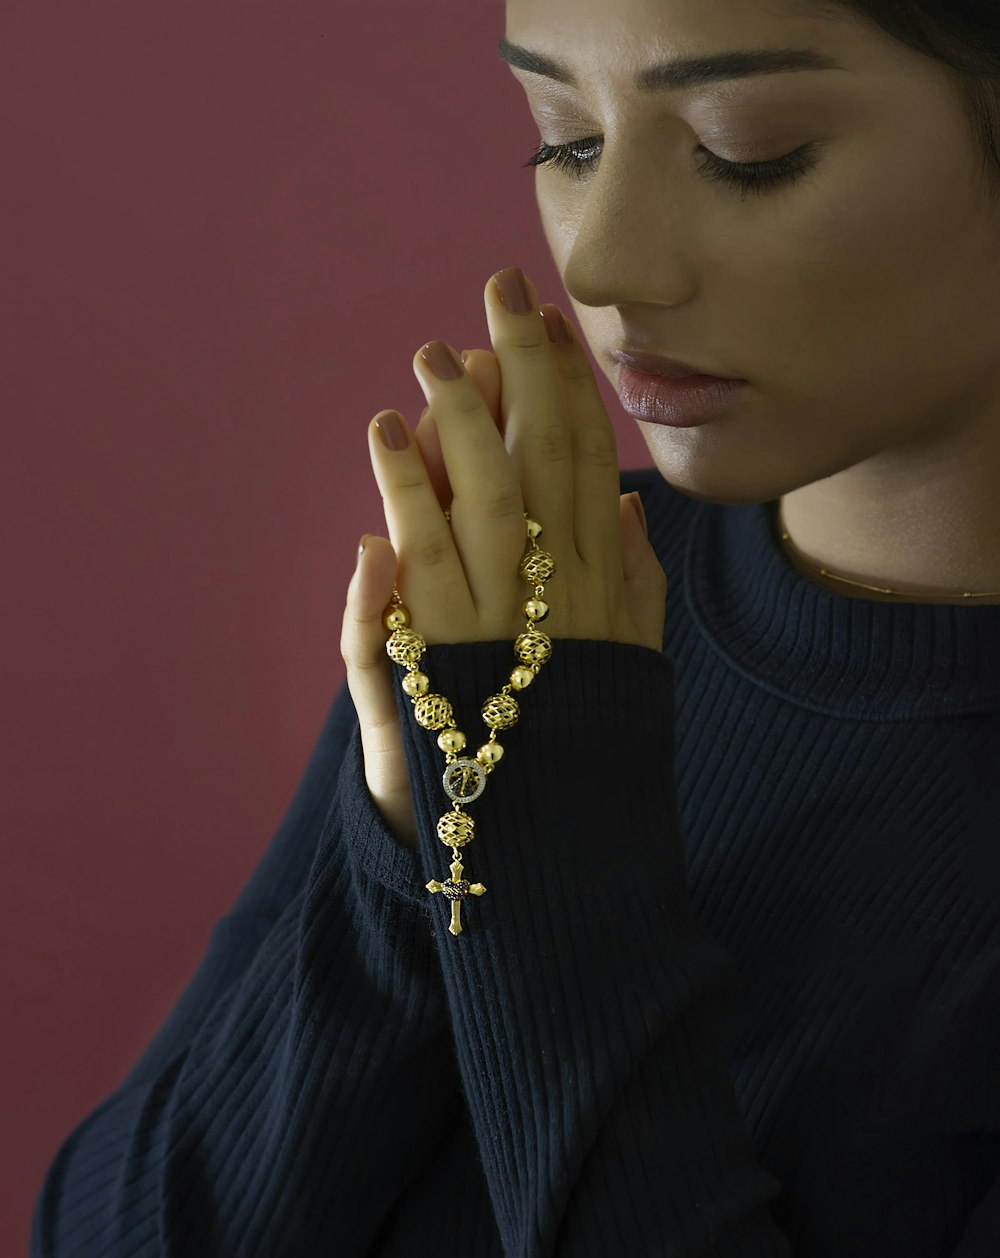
501,711
433,712
521,678
535,609
456,829
490,754
397,617
533,647
533,527
405,647
451,740
537,566
416,684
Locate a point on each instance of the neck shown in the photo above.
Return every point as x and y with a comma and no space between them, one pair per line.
862,578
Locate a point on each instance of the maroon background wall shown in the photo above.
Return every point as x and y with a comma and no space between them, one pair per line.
226,229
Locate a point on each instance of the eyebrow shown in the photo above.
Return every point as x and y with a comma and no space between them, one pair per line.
686,72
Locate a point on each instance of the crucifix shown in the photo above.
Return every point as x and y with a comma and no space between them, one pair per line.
456,888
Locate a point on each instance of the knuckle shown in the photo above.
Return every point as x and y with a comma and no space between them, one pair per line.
356,659
550,439
534,344
431,549
575,367
599,448
500,500
388,725
468,403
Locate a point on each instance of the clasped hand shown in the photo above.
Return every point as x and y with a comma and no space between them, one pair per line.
520,430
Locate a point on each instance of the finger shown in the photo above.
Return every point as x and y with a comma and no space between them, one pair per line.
487,510
427,438
371,683
363,638
597,477
484,368
536,427
645,580
431,578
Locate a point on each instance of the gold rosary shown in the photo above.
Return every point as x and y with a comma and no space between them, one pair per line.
465,779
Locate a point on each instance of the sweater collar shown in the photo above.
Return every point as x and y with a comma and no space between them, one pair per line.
842,655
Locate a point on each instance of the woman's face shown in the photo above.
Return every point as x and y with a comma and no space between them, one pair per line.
861,301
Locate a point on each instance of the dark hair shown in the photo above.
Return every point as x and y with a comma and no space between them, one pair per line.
965,36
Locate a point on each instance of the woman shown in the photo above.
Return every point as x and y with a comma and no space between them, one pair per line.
717,970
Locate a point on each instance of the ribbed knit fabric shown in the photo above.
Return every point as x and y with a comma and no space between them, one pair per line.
733,988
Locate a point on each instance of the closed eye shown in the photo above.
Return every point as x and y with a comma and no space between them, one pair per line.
749,177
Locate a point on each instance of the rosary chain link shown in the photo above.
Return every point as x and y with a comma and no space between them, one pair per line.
533,649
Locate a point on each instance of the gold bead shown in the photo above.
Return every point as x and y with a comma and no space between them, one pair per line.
533,527
416,684
521,678
537,566
489,754
456,829
501,711
533,647
405,647
397,617
433,712
451,740
535,609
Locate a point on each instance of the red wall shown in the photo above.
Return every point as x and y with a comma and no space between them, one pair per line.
226,230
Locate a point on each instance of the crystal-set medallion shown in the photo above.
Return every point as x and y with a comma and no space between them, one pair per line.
458,781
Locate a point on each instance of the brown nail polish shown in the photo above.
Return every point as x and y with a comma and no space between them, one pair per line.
392,431
555,326
442,361
513,290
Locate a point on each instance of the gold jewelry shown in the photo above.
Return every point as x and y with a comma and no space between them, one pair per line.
861,585
464,780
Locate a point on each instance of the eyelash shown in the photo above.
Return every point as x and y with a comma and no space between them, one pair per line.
756,178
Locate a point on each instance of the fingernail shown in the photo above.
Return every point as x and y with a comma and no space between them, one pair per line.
513,290
363,544
555,326
441,359
392,431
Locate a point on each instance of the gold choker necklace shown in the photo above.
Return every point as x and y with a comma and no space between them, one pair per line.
790,545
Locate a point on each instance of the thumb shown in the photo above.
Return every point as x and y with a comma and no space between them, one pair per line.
370,675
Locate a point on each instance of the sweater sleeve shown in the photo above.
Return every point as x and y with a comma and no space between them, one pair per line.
981,1238
587,1005
307,1072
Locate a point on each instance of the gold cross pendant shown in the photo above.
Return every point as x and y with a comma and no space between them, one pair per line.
456,888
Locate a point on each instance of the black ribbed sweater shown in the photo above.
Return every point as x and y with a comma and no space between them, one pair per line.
733,989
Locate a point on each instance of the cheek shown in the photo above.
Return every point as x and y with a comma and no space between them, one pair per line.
886,295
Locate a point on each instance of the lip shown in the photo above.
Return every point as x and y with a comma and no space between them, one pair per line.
667,368
680,402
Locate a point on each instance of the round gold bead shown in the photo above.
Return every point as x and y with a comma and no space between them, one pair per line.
533,527
451,740
490,754
533,647
433,712
397,617
416,684
521,678
537,566
405,647
535,609
501,711
456,829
